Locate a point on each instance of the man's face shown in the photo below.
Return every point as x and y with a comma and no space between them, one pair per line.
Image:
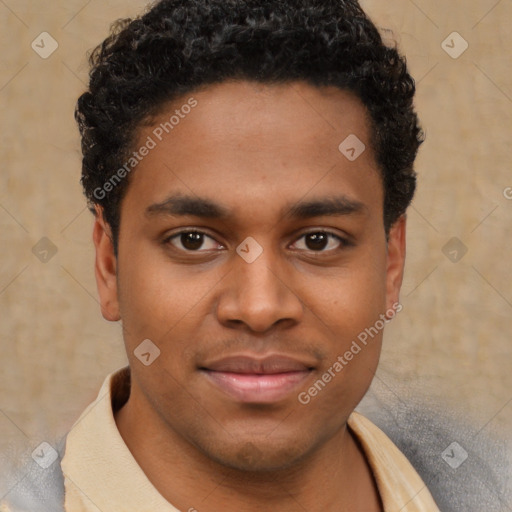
241,339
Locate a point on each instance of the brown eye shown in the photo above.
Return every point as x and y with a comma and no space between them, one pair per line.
317,241
192,241
320,241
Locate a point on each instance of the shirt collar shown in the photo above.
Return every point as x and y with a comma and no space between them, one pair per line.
101,474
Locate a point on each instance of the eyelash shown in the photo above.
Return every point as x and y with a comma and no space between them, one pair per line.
343,241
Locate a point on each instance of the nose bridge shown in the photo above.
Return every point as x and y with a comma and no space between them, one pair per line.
259,277
257,293
257,284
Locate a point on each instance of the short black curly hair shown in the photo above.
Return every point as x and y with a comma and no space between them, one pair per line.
181,45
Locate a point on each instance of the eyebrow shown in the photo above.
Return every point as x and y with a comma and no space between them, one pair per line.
182,205
329,206
188,205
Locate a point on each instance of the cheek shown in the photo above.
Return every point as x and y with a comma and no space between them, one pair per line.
158,300
351,305
350,308
354,297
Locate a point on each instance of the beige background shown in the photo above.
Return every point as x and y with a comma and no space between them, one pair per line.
450,344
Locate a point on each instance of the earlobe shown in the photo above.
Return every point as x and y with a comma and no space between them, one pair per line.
395,261
105,268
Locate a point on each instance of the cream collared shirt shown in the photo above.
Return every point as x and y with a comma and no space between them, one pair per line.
101,475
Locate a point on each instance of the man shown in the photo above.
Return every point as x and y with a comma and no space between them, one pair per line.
249,165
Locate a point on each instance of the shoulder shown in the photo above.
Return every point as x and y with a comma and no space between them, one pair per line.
463,468
32,487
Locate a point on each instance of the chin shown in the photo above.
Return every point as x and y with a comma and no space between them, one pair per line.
258,456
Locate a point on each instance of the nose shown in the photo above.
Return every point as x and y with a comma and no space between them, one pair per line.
258,296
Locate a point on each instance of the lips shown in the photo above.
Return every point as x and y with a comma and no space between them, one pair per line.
250,379
268,365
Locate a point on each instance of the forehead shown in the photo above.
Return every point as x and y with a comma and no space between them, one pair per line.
241,113
271,143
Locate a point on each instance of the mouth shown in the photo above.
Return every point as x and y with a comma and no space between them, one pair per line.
254,380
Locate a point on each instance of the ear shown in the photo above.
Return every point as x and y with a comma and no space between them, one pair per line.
395,262
105,268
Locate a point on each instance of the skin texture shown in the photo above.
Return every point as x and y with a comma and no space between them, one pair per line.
256,150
